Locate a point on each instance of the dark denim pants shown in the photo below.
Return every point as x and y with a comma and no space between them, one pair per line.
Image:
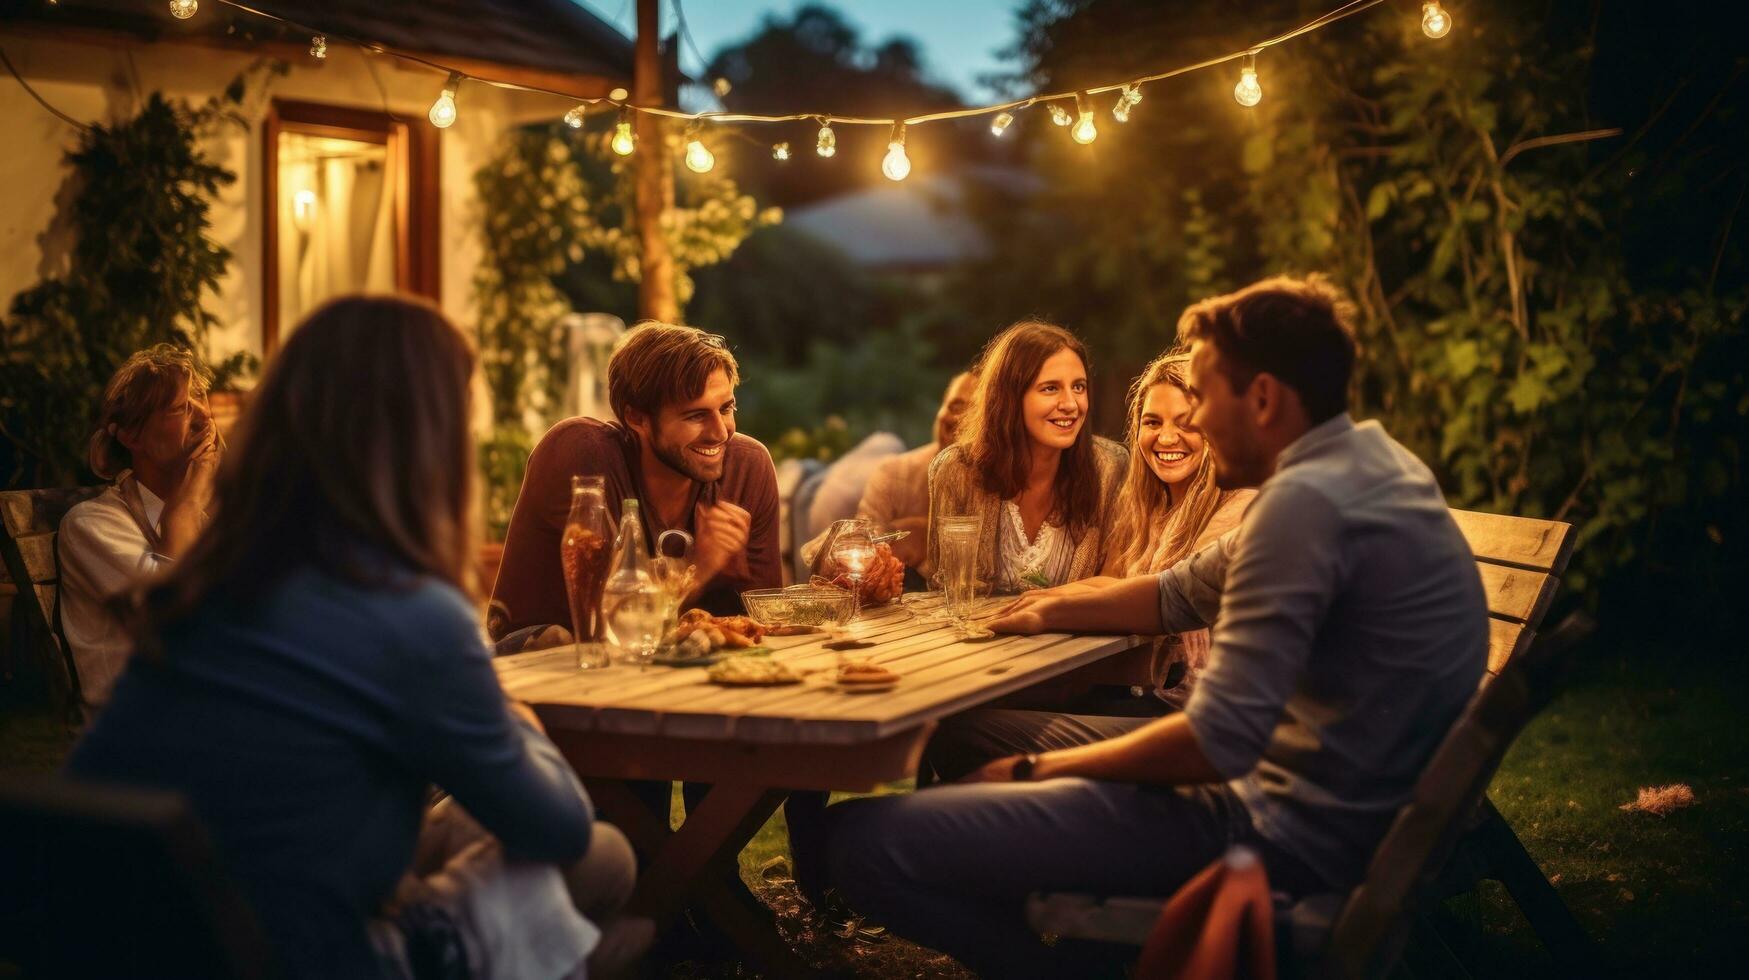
950,867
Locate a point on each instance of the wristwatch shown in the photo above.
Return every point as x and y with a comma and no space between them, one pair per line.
1022,771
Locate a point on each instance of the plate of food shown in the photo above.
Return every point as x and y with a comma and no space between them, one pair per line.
700,636
740,671
865,677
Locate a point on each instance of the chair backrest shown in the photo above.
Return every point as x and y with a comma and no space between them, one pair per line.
1521,560
105,882
799,508
31,519
1374,922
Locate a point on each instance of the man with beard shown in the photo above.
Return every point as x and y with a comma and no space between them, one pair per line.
674,448
1349,631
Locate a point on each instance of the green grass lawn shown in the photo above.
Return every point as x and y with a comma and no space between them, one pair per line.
1663,896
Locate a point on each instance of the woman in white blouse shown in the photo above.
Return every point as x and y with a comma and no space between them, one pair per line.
155,439
1028,466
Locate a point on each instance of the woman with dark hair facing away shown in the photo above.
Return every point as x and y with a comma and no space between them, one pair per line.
1028,465
315,662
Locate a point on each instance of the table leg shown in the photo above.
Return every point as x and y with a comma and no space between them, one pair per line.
696,862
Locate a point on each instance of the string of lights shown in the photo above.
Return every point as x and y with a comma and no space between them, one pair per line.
1248,92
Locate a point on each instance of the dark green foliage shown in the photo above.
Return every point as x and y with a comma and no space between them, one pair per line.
1557,329
141,262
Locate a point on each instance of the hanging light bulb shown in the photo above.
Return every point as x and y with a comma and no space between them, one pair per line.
574,116
183,9
442,114
828,142
624,139
780,151
1248,93
1060,115
1002,121
319,48
1126,101
1084,132
699,158
1435,22
896,166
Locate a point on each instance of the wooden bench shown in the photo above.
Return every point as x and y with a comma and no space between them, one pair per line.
31,519
1520,561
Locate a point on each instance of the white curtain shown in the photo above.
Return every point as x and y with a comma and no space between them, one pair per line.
344,241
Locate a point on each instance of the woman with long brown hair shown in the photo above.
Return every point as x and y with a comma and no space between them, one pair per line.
316,661
1168,507
1028,465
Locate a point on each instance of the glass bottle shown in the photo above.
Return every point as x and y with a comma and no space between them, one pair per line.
585,554
633,600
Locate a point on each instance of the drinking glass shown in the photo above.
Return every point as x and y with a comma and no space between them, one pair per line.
853,551
957,562
674,574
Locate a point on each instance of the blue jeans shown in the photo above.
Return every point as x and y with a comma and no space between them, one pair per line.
951,867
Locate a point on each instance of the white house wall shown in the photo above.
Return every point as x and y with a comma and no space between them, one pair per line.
104,82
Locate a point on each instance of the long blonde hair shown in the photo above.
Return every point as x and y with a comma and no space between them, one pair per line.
354,456
1144,501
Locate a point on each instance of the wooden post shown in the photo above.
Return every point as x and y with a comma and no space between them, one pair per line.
655,176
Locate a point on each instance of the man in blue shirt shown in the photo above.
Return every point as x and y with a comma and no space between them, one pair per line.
1350,629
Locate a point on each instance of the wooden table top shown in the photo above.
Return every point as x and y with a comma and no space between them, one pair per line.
940,675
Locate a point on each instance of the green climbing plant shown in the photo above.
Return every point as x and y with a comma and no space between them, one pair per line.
141,264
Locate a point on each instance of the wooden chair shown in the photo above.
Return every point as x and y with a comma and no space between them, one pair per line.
1449,837
31,519
111,882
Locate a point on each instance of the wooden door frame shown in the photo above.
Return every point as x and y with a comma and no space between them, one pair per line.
414,168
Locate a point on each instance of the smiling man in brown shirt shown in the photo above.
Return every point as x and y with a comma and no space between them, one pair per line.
675,449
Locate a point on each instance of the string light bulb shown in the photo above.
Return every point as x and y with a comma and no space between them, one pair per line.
1060,115
827,144
896,166
1248,93
624,139
699,158
442,114
780,151
183,9
1002,121
319,48
1085,131
1435,22
1126,101
574,116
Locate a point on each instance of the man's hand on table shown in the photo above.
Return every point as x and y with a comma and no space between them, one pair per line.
1026,616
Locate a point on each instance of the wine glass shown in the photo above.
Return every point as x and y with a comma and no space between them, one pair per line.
854,552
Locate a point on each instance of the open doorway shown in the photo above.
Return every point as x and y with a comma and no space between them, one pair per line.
351,206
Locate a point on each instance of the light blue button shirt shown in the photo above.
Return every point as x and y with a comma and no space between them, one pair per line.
1351,631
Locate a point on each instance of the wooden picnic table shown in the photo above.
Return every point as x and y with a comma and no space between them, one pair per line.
753,745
